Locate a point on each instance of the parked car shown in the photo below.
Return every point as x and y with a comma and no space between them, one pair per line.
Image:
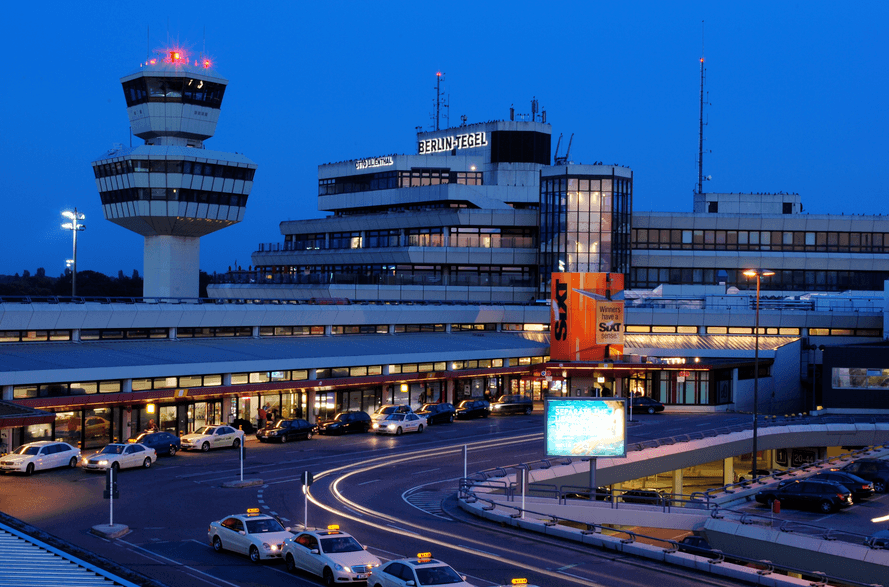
40,455
399,423
331,554
646,404
422,570
345,422
695,545
163,443
386,409
442,413
601,494
874,470
284,430
259,536
118,455
646,496
860,488
512,404
243,424
473,408
824,496
207,437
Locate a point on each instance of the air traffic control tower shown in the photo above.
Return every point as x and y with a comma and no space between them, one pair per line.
172,190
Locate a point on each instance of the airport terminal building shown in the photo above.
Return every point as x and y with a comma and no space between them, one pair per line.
429,281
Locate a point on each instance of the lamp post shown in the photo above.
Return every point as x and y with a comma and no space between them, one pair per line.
759,274
74,226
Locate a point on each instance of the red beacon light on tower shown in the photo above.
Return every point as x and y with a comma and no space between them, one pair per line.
206,64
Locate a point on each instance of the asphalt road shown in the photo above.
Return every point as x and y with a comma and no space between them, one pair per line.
395,494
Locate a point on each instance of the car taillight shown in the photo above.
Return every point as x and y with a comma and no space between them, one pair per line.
841,496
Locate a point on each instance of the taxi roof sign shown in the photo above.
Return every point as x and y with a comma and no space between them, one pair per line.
424,555
333,527
252,511
519,581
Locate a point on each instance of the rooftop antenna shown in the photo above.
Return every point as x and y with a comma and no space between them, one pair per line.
147,43
439,102
701,122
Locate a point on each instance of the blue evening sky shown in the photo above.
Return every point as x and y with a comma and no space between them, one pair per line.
797,91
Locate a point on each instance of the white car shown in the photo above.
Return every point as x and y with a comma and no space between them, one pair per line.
331,554
423,570
37,456
398,423
120,456
208,437
257,535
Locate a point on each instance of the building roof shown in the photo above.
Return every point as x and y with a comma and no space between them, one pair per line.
93,361
714,345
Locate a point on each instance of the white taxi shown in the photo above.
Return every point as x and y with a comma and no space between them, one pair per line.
331,554
423,570
120,456
208,437
36,456
398,423
257,535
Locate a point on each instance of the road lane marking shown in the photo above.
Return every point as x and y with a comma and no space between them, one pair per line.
214,580
369,482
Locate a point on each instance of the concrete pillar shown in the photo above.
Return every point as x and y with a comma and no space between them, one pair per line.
728,471
678,487
7,393
311,413
171,266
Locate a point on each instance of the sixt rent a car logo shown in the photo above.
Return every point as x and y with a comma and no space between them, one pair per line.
562,305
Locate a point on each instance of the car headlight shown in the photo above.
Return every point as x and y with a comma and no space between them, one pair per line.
84,460
103,463
269,547
391,426
375,426
342,568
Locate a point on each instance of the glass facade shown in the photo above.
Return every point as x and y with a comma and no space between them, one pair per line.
584,225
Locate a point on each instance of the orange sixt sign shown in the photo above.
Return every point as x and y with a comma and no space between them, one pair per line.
586,324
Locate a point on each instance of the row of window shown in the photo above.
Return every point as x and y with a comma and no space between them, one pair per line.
422,207
397,179
215,380
169,89
761,240
637,329
414,237
426,275
789,279
173,166
173,195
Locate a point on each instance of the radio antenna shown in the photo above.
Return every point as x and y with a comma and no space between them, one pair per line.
701,120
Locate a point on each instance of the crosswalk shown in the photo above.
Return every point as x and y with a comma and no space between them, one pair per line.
429,502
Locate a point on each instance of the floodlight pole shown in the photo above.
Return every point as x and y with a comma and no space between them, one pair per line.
758,273
74,226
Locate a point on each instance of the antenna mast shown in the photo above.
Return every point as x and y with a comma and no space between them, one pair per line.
701,122
439,102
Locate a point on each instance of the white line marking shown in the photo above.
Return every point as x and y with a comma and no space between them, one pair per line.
426,471
214,580
369,482
477,550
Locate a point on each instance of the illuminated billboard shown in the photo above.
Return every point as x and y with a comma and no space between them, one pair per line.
586,324
585,427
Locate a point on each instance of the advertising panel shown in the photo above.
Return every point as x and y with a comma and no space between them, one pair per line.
585,427
578,302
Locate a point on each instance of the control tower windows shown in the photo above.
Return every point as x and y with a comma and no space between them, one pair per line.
167,89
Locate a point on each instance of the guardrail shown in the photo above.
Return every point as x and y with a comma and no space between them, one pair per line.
764,567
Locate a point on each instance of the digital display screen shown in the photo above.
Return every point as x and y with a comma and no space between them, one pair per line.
585,427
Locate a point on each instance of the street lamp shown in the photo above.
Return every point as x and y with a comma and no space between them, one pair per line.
74,226
759,274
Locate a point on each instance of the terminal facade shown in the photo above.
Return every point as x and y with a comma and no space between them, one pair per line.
429,281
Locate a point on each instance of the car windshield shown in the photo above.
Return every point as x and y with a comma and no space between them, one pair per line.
26,450
205,430
340,544
438,576
112,449
141,437
386,410
396,417
264,525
